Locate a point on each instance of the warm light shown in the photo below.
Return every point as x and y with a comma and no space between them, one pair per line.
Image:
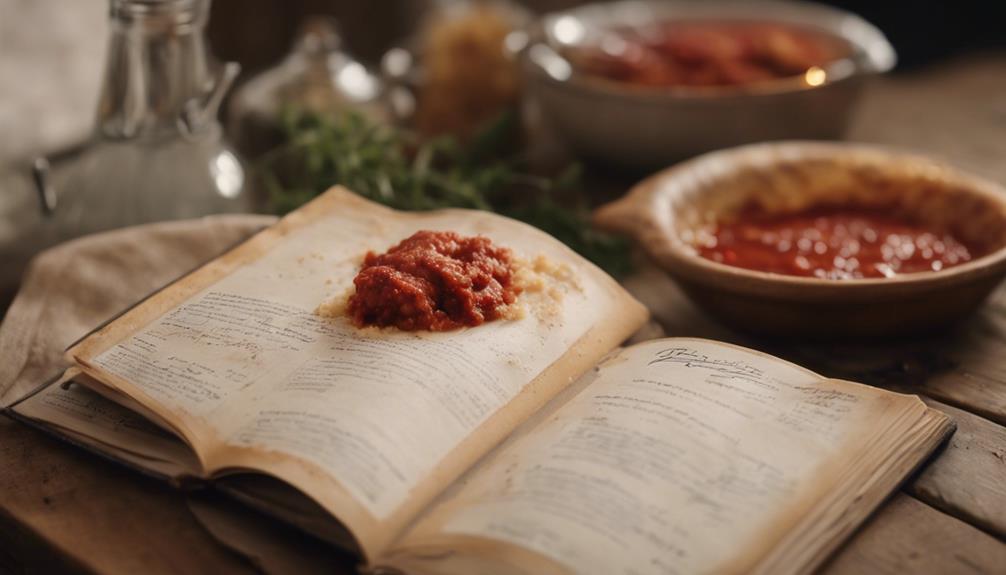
568,30
613,45
815,76
355,81
553,64
227,173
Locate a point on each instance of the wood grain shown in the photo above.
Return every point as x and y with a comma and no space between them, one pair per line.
977,380
100,516
968,479
953,110
908,537
965,367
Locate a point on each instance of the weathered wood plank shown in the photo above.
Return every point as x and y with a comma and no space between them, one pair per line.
99,515
906,536
672,309
977,380
968,479
965,367
22,551
948,109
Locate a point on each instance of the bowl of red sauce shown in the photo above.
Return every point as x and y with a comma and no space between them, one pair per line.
812,239
644,84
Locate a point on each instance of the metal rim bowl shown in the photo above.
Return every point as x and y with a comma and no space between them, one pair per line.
643,128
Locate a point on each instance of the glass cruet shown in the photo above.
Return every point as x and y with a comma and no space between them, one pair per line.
157,151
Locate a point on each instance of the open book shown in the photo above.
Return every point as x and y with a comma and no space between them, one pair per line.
524,445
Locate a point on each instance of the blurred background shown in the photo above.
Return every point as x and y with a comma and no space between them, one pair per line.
258,32
52,51
74,92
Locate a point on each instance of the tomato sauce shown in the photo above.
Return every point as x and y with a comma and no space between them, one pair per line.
834,243
711,54
435,281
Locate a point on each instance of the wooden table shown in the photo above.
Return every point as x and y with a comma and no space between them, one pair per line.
62,510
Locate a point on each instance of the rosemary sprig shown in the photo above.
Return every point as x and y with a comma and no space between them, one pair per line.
392,167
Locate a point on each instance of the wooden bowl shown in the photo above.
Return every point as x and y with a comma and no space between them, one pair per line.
664,212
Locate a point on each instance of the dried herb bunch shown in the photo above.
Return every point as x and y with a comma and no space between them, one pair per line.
392,167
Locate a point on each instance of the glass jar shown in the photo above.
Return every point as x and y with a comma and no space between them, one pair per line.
317,76
157,152
458,73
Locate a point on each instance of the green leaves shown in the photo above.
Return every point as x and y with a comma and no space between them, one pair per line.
393,168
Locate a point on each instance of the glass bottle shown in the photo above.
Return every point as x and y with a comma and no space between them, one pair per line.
157,152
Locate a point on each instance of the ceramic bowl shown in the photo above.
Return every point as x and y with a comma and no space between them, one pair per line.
666,211
646,128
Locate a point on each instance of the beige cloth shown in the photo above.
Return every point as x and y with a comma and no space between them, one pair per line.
68,291
72,288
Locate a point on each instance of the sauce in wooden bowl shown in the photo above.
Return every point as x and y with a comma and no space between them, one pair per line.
834,242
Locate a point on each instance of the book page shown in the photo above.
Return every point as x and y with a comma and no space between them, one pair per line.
86,417
244,359
681,456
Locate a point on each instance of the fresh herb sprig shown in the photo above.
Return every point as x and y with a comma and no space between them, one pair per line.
391,166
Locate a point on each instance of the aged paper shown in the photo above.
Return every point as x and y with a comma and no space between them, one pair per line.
680,457
248,357
91,418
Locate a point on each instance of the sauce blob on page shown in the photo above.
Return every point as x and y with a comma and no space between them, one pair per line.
435,281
